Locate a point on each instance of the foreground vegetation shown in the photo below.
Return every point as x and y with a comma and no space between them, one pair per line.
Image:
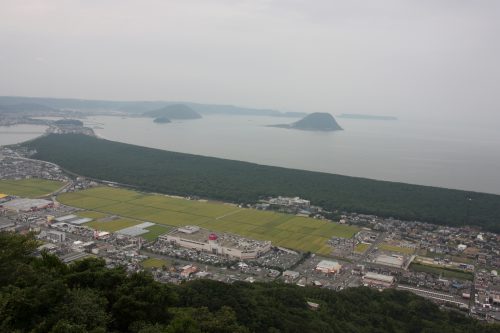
184,174
44,295
304,234
29,188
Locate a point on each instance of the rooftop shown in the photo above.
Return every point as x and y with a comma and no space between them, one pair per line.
197,234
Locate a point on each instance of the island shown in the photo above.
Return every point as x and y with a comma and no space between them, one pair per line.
162,120
68,122
318,121
365,116
173,111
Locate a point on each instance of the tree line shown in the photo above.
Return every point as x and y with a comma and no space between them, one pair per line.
234,181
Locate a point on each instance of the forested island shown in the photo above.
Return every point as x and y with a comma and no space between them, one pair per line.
162,120
42,294
175,111
318,121
234,181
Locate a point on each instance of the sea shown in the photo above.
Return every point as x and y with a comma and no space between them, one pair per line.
459,156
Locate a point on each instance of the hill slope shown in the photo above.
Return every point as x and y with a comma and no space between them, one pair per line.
184,174
85,296
317,121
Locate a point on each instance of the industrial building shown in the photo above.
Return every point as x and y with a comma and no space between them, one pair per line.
392,261
26,205
328,267
223,244
378,280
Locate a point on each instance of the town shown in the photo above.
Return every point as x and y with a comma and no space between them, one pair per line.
454,267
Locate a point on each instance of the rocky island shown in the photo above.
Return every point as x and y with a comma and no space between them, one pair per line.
318,121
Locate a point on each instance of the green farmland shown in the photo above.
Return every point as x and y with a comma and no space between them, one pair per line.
113,225
29,188
304,234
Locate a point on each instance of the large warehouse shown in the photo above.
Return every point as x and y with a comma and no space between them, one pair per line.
378,280
223,244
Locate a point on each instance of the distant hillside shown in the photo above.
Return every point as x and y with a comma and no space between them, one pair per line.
175,111
162,120
139,107
233,181
317,121
25,108
365,116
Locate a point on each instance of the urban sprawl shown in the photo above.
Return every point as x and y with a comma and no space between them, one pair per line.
455,267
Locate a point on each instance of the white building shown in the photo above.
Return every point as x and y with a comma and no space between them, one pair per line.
223,244
328,267
378,280
392,261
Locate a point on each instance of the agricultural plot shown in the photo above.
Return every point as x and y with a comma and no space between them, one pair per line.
304,234
442,271
392,248
91,214
29,188
155,231
154,263
113,225
361,248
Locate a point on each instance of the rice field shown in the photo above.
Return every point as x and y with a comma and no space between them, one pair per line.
29,188
153,263
392,248
361,248
155,231
112,225
299,233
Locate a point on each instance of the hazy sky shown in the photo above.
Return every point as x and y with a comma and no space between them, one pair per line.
401,57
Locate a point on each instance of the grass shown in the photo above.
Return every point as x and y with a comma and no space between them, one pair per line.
92,214
113,225
29,188
154,263
444,272
392,248
155,231
361,247
304,234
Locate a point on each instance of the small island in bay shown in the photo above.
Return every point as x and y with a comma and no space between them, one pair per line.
318,121
162,120
365,116
174,111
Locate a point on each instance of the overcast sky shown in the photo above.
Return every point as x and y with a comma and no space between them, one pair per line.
399,57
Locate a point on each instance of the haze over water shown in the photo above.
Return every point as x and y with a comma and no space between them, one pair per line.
454,156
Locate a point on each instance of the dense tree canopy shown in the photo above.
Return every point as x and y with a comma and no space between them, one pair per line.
41,294
233,181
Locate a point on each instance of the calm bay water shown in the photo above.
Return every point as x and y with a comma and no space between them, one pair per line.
461,157
412,152
19,133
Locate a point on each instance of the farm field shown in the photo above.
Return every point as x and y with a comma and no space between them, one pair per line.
155,231
29,188
304,234
153,263
392,248
444,272
361,247
113,225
